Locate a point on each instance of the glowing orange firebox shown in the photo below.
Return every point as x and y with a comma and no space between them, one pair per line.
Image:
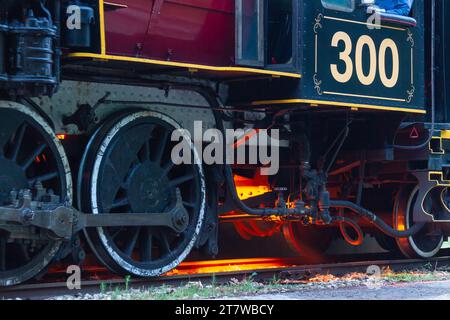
251,187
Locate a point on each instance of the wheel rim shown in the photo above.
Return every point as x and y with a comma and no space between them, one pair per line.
422,244
141,180
30,153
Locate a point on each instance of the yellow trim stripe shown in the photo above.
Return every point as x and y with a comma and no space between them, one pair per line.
191,66
363,23
440,181
102,26
338,104
441,150
362,96
445,134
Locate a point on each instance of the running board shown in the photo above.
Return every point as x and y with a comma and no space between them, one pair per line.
432,188
65,221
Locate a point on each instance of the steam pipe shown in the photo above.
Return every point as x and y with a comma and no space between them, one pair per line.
260,211
229,180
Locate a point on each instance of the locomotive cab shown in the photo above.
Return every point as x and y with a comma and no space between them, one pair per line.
345,50
342,53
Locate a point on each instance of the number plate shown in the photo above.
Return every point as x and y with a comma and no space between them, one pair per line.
351,61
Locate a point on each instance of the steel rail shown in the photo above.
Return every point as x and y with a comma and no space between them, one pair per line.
42,290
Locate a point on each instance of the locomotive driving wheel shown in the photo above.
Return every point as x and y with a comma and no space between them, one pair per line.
427,242
307,241
127,168
30,155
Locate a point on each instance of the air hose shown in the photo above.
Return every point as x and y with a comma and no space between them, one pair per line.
260,211
343,222
374,219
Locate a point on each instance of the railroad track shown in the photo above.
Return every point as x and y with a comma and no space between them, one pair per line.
222,271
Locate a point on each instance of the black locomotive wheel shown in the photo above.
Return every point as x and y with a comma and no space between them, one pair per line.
30,155
426,243
307,241
127,168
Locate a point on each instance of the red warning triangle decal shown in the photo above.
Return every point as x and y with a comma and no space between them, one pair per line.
414,133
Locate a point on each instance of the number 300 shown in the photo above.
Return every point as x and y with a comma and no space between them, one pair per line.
365,78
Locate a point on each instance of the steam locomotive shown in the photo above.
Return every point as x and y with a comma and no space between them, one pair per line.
91,91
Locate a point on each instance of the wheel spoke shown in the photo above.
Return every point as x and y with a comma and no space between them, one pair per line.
167,168
162,147
24,252
43,178
115,234
132,242
165,243
189,204
181,180
146,245
33,156
120,203
145,152
120,160
18,142
8,126
113,182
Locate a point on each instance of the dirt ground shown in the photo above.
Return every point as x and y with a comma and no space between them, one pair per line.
435,290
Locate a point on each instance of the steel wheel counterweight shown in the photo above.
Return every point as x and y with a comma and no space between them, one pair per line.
127,168
31,158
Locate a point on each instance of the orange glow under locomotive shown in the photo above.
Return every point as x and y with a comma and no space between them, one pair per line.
249,188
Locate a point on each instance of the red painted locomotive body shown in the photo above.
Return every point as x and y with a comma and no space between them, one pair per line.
191,31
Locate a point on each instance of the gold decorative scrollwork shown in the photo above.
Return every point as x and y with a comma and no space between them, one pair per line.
410,93
317,84
318,24
410,38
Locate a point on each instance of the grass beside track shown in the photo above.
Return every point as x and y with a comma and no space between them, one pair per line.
249,286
